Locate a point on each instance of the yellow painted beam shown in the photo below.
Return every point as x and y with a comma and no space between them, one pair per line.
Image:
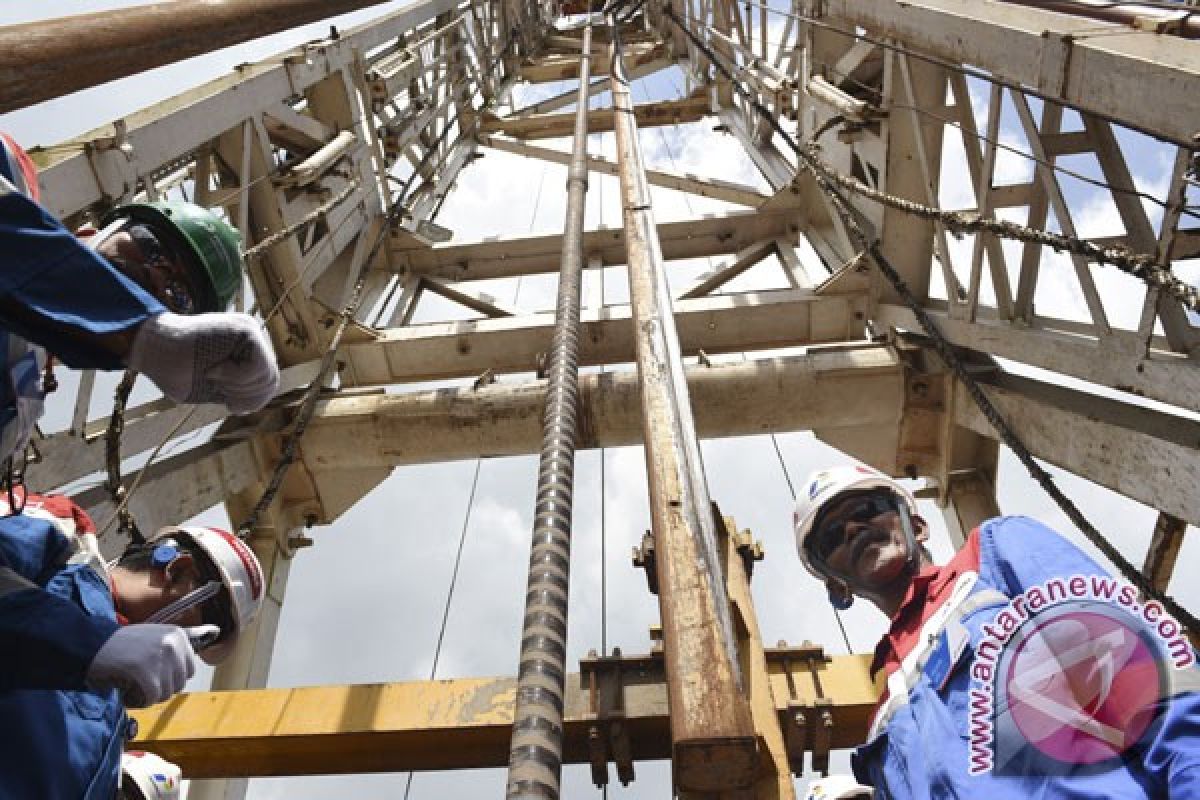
429,725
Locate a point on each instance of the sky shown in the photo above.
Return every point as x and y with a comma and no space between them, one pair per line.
365,603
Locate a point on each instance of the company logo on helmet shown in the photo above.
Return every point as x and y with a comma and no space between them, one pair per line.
248,560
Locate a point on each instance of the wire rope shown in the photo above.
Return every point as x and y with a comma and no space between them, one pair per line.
1000,145
774,438
462,538
308,402
837,615
973,72
829,180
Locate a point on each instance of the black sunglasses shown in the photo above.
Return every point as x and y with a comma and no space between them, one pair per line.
829,532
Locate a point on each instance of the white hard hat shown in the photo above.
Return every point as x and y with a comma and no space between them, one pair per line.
838,787
145,776
240,574
822,487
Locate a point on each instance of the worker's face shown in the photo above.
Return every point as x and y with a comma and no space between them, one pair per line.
860,537
179,578
148,261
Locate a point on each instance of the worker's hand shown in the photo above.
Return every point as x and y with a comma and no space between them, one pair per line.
147,662
207,358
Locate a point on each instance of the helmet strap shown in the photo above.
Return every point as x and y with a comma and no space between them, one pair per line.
101,236
913,564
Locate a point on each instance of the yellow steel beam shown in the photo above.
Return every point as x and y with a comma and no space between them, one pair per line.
774,776
436,725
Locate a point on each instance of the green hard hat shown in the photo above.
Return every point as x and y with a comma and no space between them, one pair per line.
211,241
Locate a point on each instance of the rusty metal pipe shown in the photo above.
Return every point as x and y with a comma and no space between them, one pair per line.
713,743
535,755
43,60
1184,22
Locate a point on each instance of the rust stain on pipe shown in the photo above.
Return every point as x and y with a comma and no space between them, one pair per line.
51,58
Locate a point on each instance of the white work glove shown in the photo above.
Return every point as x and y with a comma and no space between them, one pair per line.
147,662
207,358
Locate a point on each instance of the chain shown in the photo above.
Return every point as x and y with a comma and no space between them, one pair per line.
118,493
1156,276
112,459
308,404
313,216
871,246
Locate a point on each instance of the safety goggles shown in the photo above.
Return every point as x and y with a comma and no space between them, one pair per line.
829,531
161,257
209,596
156,254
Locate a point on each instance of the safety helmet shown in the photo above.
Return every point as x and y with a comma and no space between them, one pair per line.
212,243
145,776
838,787
824,486
240,575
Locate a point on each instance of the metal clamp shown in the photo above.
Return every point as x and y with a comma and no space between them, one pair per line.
608,736
643,558
808,726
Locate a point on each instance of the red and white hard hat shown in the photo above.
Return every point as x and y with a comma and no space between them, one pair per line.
838,787
240,574
145,776
824,486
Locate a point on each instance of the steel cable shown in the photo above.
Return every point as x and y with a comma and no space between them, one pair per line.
945,350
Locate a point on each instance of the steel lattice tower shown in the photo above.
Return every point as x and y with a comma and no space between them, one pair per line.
914,280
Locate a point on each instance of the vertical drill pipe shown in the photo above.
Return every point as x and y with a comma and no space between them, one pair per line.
535,756
713,746
50,58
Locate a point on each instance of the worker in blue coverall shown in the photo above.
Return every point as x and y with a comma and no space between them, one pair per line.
147,291
83,638
1020,669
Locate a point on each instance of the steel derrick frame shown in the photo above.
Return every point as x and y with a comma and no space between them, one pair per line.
411,89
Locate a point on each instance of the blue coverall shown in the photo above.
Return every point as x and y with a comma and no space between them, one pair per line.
58,740
922,751
55,293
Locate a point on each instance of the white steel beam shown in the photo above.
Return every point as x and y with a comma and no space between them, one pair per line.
72,180
828,388
553,126
178,488
1145,455
712,234
1141,80
687,182
355,434
723,274
1119,361
721,324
